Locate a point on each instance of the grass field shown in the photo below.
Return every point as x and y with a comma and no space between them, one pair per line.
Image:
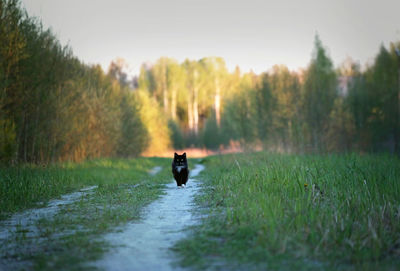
259,211
289,212
26,186
73,236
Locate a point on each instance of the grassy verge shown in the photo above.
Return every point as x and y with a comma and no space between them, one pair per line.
288,212
72,237
29,186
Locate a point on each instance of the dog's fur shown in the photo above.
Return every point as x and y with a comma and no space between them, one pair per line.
180,169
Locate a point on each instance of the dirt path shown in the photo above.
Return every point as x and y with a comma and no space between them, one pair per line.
23,226
26,220
144,245
155,170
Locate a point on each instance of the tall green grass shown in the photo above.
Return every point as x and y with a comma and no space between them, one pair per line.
73,236
308,211
26,186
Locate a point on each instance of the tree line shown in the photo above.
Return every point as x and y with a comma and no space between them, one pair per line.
53,107
317,109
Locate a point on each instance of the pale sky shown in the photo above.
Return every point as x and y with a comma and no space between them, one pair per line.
252,34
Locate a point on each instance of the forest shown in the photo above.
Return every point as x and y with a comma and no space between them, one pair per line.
54,107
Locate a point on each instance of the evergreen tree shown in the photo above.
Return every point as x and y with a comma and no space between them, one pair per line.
320,91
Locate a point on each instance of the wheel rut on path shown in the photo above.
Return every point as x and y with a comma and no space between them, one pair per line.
144,244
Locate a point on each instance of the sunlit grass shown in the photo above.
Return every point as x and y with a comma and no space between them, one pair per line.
298,211
25,186
73,236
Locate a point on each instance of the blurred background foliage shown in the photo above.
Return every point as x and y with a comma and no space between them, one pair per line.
53,107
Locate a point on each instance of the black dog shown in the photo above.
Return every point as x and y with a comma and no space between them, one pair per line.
180,169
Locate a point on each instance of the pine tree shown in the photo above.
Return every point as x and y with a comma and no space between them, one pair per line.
320,91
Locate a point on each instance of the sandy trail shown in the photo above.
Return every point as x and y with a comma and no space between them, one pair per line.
155,170
143,245
26,220
24,225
